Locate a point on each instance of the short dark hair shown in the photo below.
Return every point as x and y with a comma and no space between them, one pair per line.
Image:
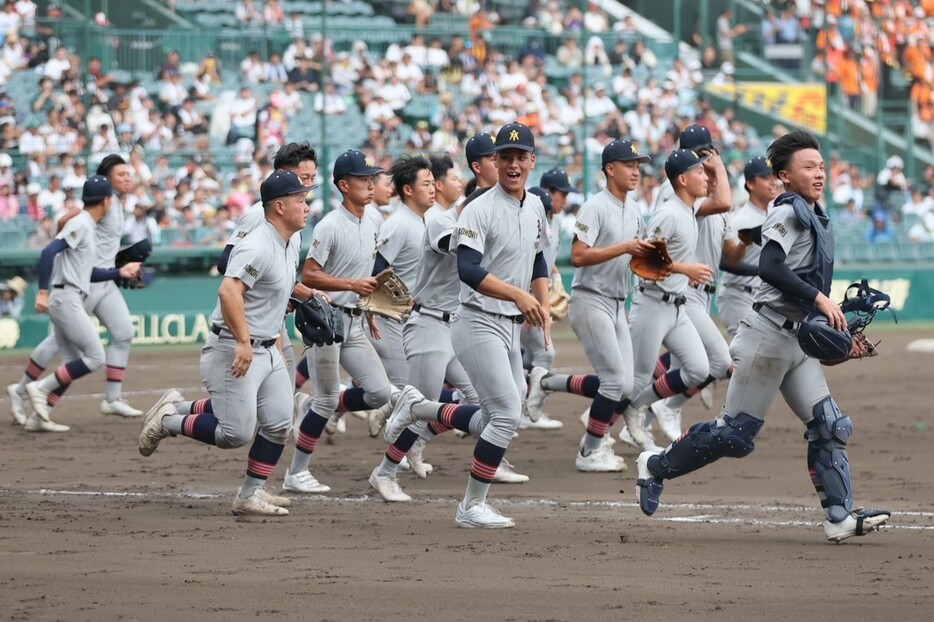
291,155
784,148
440,165
108,164
405,169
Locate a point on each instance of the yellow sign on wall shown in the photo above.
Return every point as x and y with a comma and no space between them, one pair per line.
804,105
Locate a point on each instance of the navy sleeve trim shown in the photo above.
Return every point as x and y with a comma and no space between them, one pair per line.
47,260
468,266
539,267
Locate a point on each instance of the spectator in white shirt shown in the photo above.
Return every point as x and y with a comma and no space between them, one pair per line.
31,141
275,71
330,101
597,104
252,69
141,226
638,120
53,197
395,93
295,26
379,112
918,205
247,13
595,19
437,56
173,92
57,65
409,73
242,116
273,14
104,140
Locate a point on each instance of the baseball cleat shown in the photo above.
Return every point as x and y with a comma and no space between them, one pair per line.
650,445
416,463
120,408
402,415
336,424
635,422
303,482
35,424
256,505
706,396
536,398
601,460
17,404
506,474
648,488
481,516
545,422
388,487
268,497
858,523
669,419
39,399
377,418
169,397
153,431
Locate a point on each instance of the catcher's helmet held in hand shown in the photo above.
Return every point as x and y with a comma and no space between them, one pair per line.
819,340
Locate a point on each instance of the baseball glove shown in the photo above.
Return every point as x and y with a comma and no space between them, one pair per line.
138,252
860,348
318,322
654,265
391,298
559,298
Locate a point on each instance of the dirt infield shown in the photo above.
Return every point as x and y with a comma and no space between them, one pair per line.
89,530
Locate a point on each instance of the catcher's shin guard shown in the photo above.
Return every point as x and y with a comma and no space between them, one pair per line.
827,435
707,442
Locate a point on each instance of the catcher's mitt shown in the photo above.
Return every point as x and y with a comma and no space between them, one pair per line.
860,348
559,298
391,299
138,252
318,322
654,265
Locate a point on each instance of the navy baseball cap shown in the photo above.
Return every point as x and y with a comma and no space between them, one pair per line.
544,195
478,146
96,189
696,137
514,136
622,150
680,161
557,179
757,167
281,184
353,163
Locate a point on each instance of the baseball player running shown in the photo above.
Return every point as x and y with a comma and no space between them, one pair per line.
499,258
340,262
479,150
607,234
67,264
796,267
242,369
103,299
741,282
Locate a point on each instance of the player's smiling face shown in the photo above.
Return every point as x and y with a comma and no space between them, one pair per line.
625,175
804,175
514,166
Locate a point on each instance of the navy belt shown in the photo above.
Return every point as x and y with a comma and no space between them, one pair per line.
705,287
676,300
444,316
352,311
774,316
515,319
262,343
82,293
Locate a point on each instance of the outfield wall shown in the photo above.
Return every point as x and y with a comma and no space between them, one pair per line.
177,310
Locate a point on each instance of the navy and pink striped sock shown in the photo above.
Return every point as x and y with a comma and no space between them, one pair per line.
201,427
669,384
352,400
486,459
301,373
264,454
662,365
457,416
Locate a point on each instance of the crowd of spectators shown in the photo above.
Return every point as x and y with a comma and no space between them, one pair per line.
198,108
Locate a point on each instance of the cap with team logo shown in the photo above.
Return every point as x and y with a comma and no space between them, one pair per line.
696,137
557,179
478,146
622,150
544,195
757,167
281,184
514,136
96,189
682,160
353,163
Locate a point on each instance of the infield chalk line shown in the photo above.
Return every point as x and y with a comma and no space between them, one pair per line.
714,513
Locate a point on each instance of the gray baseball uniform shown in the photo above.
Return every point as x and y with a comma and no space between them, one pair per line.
738,292
532,339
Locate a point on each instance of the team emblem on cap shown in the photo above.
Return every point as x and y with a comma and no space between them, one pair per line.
367,161
694,153
768,163
493,139
514,135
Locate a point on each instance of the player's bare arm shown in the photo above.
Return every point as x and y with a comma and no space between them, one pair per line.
583,255
314,276
697,272
719,196
733,252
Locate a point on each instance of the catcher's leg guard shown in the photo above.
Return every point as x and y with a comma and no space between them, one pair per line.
707,442
827,435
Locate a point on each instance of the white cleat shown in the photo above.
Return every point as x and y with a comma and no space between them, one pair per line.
536,398
506,474
669,419
35,424
268,497
635,422
303,482
545,422
388,487
17,404
402,416
650,444
256,505
336,424
40,400
601,460
481,516
858,523
377,418
171,396
153,431
416,463
706,396
120,408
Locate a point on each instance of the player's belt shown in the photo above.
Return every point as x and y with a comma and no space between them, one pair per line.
444,316
262,343
707,288
749,289
515,319
675,299
71,287
352,311
775,317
